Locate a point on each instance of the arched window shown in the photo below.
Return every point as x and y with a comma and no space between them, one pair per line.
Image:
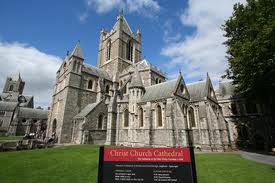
90,84
100,121
130,51
159,116
157,81
141,117
11,88
54,126
64,66
126,118
191,114
1,122
109,50
107,89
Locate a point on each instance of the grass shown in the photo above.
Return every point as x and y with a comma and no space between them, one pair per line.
79,164
10,137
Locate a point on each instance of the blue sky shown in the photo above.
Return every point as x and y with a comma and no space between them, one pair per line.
176,35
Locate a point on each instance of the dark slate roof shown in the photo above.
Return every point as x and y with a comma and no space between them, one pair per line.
86,110
7,106
33,113
96,71
159,91
197,90
226,89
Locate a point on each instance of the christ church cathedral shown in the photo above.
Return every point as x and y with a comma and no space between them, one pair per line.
127,101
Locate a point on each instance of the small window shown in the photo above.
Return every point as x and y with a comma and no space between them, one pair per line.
130,51
100,122
2,113
141,117
11,88
64,66
157,81
191,114
90,84
182,89
126,118
1,122
109,50
107,89
159,116
54,126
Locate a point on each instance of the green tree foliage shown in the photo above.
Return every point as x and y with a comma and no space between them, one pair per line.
250,34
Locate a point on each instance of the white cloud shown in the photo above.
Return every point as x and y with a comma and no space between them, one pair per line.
203,51
144,7
82,17
37,69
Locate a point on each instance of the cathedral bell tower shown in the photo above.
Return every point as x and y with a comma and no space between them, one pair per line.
14,85
119,48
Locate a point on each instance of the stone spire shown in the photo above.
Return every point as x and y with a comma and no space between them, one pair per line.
77,52
136,81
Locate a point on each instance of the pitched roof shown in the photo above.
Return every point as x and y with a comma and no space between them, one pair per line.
33,113
136,80
125,26
197,90
84,112
159,91
77,51
144,65
7,106
96,71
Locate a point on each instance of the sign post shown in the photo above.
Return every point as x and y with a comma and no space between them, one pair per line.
149,165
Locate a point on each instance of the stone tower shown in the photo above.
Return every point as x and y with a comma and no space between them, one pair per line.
14,85
119,48
65,98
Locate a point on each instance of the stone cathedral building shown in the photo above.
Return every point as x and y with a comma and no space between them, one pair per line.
17,113
127,101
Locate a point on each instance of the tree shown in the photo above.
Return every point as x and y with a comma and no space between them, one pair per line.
250,33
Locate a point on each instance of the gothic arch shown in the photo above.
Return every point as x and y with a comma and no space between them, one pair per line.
54,126
90,84
191,115
129,50
100,121
126,118
159,121
109,48
141,119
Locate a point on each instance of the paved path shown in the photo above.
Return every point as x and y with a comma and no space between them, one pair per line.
267,159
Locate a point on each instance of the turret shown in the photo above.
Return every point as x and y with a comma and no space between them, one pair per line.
136,90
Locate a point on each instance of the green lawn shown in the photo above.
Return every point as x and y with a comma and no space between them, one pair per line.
79,164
